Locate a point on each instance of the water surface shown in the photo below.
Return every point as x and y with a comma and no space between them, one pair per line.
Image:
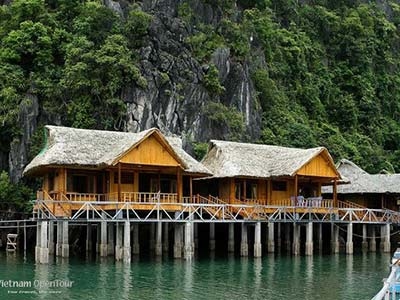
272,277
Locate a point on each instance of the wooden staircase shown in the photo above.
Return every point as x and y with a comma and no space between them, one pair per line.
213,211
348,204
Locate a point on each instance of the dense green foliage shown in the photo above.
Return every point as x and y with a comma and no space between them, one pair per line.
330,76
75,56
14,196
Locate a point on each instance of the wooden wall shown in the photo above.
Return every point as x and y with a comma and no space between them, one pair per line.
60,180
318,166
150,152
132,187
262,192
282,195
225,188
226,191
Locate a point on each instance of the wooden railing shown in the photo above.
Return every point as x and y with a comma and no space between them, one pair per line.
215,200
359,209
348,204
144,197
198,199
84,197
43,195
315,202
281,202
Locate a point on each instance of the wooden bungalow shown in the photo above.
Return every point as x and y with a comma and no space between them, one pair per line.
92,165
367,190
268,175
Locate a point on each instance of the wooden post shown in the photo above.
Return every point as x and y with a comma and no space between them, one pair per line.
62,182
191,188
335,204
103,175
212,237
260,196
127,242
244,189
296,239
269,192
119,182
296,186
349,241
309,238
179,184
244,247
159,182
271,240
319,189
136,182
231,191
257,240
231,237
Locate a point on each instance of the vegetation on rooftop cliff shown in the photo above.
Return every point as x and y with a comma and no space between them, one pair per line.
328,75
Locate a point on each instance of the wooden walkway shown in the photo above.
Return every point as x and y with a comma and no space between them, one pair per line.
207,211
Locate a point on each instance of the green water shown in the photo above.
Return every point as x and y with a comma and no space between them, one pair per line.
272,277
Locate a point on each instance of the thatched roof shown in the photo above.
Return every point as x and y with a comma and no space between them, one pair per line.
361,182
99,149
230,159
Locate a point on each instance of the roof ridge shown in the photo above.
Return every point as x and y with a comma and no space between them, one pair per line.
55,127
213,141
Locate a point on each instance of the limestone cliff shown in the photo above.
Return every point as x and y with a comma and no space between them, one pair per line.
175,98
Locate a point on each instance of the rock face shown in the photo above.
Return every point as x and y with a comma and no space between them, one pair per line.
175,97
19,148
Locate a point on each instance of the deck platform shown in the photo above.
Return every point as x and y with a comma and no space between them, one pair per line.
207,212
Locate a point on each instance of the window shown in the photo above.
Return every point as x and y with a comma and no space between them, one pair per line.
168,186
173,186
154,188
126,178
279,185
77,183
238,190
251,191
51,181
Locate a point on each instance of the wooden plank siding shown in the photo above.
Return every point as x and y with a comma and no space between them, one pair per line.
319,166
131,187
262,191
150,152
225,189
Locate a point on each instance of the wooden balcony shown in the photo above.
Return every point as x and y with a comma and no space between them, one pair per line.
65,204
144,197
62,204
73,205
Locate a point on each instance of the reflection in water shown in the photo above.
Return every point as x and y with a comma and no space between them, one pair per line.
188,283
157,284
349,270
124,278
102,273
244,264
257,273
309,270
41,276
